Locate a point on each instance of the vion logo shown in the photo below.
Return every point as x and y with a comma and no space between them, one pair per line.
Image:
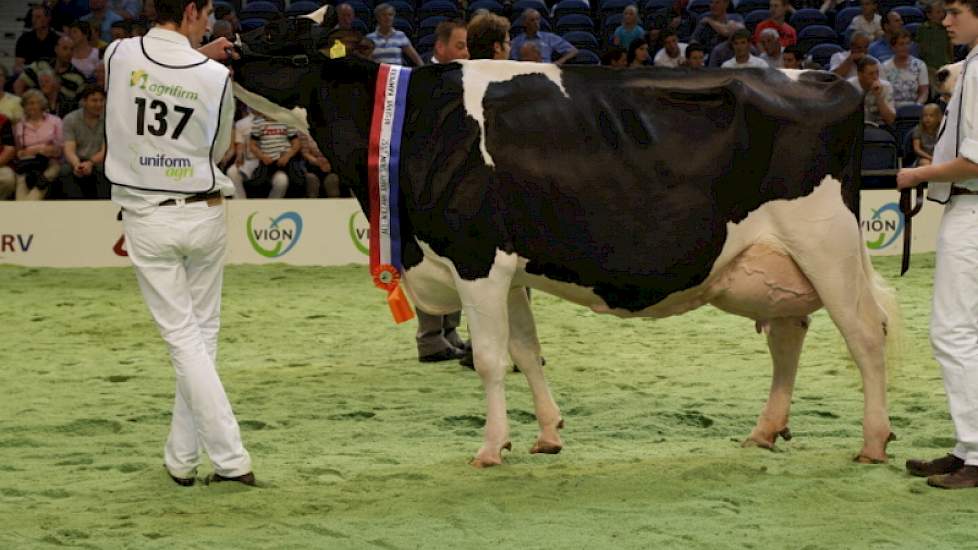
360,232
15,242
886,223
276,238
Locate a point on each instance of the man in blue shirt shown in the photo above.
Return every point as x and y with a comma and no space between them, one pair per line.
101,18
546,42
880,48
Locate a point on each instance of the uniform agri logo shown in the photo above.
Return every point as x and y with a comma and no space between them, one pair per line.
886,223
360,232
276,238
175,168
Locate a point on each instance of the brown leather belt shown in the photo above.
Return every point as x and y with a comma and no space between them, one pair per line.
213,198
962,191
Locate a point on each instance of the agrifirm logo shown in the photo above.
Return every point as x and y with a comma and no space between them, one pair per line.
886,223
360,232
278,237
142,79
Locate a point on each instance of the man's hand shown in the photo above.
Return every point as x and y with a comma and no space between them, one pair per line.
325,166
219,49
908,178
266,160
282,160
85,167
876,89
854,57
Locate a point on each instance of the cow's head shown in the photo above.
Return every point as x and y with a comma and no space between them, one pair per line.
947,77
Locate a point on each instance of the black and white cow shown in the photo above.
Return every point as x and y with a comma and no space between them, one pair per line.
639,193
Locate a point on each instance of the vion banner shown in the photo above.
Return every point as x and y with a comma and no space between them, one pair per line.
883,224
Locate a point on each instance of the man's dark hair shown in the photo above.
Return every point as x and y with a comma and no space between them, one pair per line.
865,61
902,33
740,33
43,7
694,47
795,51
443,33
970,4
84,26
89,90
633,47
665,33
613,54
171,11
485,31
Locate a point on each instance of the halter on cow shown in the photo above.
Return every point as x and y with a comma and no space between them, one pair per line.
637,193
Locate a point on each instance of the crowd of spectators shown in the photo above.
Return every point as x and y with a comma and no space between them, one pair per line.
52,102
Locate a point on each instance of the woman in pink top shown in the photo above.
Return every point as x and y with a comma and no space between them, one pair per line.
39,140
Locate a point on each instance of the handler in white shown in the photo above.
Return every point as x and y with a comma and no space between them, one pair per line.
954,321
170,115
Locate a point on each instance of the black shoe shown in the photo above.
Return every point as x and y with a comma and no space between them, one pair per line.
181,481
925,468
246,479
447,354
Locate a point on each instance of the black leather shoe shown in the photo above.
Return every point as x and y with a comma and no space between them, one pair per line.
181,481
965,477
246,479
447,354
944,465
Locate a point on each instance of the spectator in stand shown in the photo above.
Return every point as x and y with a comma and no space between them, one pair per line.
84,57
10,106
279,172
869,21
714,27
225,12
547,42
878,104
66,11
771,48
127,9
50,86
8,150
638,53
933,41
844,63
724,52
907,74
100,17
924,135
320,179
83,175
673,53
72,81
390,44
37,43
791,58
743,59
786,32
695,56
223,28
244,160
615,57
138,27
629,29
120,30
892,24
39,141
488,37
100,75
530,53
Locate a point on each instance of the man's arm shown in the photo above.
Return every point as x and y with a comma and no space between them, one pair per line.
412,55
884,100
843,68
566,50
99,156
71,148
218,49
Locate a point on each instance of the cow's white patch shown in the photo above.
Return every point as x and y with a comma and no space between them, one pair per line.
317,15
295,117
477,75
793,74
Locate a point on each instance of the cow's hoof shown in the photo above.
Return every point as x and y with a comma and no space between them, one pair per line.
865,459
869,457
488,459
758,443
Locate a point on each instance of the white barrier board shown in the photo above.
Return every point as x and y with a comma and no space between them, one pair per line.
309,232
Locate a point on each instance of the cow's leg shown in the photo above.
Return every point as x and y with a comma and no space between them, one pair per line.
524,348
785,337
485,304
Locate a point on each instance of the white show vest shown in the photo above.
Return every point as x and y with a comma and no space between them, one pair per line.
161,121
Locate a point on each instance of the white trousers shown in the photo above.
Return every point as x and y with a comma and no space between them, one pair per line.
178,252
954,320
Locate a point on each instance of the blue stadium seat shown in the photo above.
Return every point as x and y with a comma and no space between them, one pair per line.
360,26
844,17
611,22
522,5
252,23
575,23
806,17
361,11
571,7
442,8
879,149
816,34
491,5
582,40
907,116
609,7
402,8
653,6
752,19
279,4
887,5
910,14
260,9
429,24
906,147
302,7
746,6
699,7
404,26
822,53
912,29
585,57
427,42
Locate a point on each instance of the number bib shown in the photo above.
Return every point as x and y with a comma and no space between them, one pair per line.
161,121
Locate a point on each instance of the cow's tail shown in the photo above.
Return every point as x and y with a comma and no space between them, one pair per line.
885,297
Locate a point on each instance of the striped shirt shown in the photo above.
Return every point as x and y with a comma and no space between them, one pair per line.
274,138
389,49
72,81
